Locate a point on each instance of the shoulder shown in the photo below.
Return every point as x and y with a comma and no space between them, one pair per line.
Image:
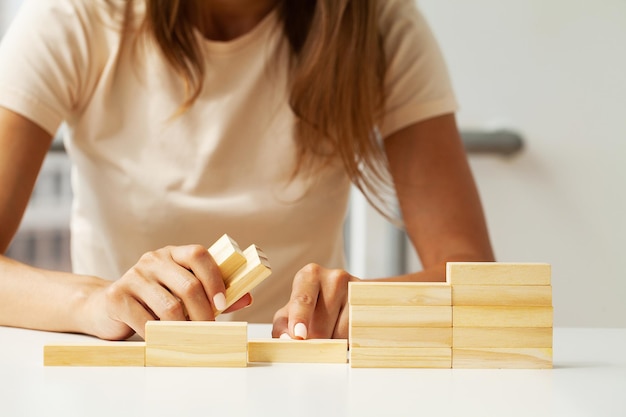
60,11
53,53
417,84
52,18
399,18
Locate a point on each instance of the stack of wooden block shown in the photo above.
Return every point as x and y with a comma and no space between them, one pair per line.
502,315
486,315
400,325
241,271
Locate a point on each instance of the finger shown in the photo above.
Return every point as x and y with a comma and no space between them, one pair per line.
280,326
197,259
245,301
122,307
168,287
304,295
341,327
332,297
137,316
155,297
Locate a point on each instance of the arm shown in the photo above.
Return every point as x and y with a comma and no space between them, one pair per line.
25,293
158,286
441,208
442,215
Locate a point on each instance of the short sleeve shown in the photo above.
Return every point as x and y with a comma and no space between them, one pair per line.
47,61
417,84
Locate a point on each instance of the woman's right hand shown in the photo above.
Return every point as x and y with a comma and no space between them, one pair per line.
172,283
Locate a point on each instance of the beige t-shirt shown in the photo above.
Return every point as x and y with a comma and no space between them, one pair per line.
142,181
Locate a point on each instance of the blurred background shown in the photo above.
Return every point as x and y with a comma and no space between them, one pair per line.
542,89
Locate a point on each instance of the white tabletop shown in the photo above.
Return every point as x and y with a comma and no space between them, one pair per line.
588,379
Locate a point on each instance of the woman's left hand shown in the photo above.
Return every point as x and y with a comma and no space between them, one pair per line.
318,305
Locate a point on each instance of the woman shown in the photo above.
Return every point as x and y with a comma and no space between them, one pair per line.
190,119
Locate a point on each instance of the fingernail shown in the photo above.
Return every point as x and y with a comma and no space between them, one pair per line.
299,330
219,301
284,336
251,301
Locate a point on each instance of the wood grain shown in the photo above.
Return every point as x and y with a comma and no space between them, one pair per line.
228,256
502,316
95,354
498,273
502,358
502,295
399,294
371,357
400,316
298,351
502,337
401,337
246,278
196,343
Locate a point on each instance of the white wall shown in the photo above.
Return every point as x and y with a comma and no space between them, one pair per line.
556,71
8,8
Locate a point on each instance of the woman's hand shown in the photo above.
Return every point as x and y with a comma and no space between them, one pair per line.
172,283
317,308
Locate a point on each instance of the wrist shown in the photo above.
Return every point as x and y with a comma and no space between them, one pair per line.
85,307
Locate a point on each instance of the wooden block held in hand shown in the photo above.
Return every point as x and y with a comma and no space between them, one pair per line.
256,269
498,273
95,354
298,351
502,337
502,295
196,343
400,316
400,357
502,358
228,257
399,293
431,337
501,316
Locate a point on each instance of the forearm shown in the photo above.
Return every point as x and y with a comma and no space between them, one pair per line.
46,300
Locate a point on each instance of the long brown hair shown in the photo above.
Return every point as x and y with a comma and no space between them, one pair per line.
336,79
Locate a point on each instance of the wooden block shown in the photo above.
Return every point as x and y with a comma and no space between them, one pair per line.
400,316
399,293
371,357
95,354
401,337
196,343
502,337
497,273
256,269
501,316
298,351
228,257
502,295
502,358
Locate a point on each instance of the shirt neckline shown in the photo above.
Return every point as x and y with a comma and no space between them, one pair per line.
256,34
